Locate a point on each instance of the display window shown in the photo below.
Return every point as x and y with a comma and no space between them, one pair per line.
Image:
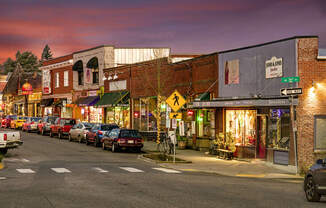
241,127
48,111
95,114
119,116
205,123
279,129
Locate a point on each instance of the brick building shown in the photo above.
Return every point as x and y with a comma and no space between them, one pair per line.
58,86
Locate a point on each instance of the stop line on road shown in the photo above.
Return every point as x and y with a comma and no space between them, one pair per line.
99,170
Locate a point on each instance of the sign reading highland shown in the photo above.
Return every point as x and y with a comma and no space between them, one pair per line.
274,67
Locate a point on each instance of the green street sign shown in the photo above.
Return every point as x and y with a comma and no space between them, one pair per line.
290,79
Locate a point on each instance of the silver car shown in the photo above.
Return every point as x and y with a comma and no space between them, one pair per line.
78,132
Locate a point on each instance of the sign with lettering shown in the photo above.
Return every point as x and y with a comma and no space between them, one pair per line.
290,79
274,67
291,91
46,78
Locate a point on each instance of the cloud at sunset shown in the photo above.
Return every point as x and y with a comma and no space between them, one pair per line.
186,26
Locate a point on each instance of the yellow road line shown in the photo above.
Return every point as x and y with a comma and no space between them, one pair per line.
251,175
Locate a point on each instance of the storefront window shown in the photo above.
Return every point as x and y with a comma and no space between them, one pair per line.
119,116
279,129
145,114
95,114
241,126
206,123
320,132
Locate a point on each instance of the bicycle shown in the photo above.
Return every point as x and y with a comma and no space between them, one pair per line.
165,146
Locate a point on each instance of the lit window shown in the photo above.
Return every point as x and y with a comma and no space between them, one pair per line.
66,79
57,79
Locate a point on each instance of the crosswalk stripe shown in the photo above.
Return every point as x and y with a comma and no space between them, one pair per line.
167,170
100,170
132,170
61,170
3,178
25,171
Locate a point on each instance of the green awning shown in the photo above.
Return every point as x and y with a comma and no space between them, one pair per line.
114,99
203,97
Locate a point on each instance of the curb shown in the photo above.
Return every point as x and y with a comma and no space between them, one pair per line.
1,165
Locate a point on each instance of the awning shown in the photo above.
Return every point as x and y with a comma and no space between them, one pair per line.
47,102
114,99
88,101
58,102
203,97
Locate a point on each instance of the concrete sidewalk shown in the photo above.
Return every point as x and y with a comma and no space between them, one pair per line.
202,162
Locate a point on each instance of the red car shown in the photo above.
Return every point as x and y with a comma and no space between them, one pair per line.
62,126
31,124
5,123
119,139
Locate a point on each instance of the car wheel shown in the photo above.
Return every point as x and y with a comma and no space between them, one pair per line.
114,148
51,134
103,146
95,142
80,139
3,151
310,190
87,142
59,135
69,138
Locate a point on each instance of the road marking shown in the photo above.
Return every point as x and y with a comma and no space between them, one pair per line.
25,171
167,170
25,160
61,170
190,170
16,160
251,175
133,170
100,170
3,178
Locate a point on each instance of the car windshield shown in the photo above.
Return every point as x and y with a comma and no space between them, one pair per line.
108,127
69,122
51,119
13,117
88,125
130,134
35,119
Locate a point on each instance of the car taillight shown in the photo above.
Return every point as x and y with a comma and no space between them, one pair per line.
100,132
5,137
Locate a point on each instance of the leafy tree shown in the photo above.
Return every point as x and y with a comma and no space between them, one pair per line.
46,54
28,61
8,66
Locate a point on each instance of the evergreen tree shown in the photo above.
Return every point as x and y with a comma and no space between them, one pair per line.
46,54
28,61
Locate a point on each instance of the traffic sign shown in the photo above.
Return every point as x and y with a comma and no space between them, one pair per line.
291,91
175,101
175,115
290,79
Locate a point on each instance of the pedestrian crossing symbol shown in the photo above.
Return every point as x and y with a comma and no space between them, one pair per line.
175,101
175,115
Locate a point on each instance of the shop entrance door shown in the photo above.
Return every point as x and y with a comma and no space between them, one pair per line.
261,136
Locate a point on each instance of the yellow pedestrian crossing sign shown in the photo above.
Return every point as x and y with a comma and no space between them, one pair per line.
175,101
175,115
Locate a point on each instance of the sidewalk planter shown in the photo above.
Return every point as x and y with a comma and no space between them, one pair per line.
202,144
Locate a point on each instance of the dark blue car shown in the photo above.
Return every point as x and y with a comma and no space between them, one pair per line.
96,134
315,181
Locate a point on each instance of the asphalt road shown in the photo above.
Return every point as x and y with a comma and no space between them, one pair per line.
90,177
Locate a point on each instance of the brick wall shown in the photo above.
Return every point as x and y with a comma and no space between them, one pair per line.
312,101
57,60
62,89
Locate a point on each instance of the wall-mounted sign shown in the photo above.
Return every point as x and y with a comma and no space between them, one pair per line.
46,82
118,85
231,72
27,89
274,67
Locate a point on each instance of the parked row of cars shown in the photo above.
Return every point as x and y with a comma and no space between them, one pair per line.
107,136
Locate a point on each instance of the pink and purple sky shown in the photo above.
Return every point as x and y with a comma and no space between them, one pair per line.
186,26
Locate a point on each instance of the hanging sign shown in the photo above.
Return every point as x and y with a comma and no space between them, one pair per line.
181,128
27,89
175,101
174,123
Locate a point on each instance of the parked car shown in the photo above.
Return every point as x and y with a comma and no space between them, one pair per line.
315,181
96,134
9,140
31,124
61,127
45,124
78,132
18,123
122,139
6,122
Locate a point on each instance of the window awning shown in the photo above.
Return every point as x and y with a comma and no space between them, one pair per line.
88,101
114,99
203,97
47,102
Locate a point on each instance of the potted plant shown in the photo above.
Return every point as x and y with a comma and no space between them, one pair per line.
182,142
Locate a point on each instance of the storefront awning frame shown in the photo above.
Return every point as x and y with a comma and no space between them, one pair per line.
114,99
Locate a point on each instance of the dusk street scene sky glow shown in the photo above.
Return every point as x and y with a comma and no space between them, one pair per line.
186,26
